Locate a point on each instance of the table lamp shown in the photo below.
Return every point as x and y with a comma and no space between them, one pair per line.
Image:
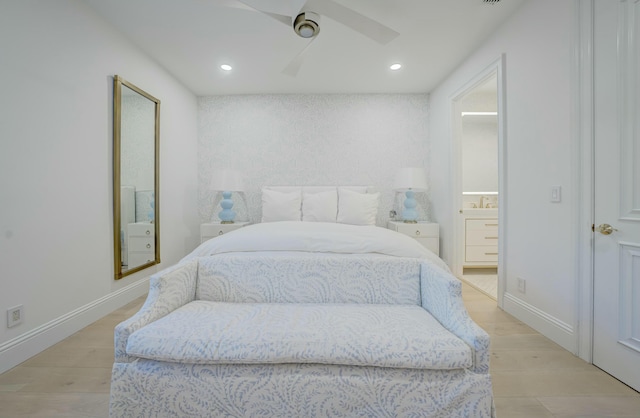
409,180
227,181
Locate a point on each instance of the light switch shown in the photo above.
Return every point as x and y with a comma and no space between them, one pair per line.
555,194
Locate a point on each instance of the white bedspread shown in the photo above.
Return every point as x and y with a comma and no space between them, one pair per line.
319,237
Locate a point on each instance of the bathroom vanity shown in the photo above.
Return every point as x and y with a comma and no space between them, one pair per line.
479,238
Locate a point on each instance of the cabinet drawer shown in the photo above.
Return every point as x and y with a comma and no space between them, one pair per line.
419,230
482,224
212,230
481,237
143,244
481,253
142,230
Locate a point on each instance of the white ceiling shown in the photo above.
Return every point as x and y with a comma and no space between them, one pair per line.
192,38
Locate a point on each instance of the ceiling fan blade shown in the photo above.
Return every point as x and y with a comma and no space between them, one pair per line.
287,20
352,19
294,66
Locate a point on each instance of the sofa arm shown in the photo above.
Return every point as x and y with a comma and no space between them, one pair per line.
441,295
168,290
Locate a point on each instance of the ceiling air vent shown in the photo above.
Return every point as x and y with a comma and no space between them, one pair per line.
491,1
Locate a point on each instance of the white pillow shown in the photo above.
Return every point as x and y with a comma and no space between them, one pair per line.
357,208
320,207
278,206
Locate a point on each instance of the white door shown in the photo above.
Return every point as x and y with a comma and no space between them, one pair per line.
616,337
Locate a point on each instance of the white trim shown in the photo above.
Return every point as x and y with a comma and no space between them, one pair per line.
27,345
463,114
583,128
501,69
497,67
558,331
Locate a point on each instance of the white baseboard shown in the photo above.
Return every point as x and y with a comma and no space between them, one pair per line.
27,345
551,327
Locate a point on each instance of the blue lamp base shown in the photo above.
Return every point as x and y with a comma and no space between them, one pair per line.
226,215
410,214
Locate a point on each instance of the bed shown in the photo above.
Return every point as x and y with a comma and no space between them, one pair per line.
293,318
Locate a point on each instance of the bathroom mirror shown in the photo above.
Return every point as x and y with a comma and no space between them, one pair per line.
136,136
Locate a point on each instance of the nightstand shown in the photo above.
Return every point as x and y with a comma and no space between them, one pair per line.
426,233
215,229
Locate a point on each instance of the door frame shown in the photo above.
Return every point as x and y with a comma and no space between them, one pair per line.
497,67
583,127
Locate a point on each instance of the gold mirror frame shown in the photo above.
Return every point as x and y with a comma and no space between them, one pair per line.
119,235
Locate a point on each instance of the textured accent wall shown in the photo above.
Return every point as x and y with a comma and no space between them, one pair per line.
311,140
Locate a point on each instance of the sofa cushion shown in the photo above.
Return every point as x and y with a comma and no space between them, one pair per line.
204,332
290,277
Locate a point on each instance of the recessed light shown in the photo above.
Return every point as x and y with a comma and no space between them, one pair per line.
226,67
395,67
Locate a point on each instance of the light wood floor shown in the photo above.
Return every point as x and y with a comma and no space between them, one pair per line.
484,280
532,376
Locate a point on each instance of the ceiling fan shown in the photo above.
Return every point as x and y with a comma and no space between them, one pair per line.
305,21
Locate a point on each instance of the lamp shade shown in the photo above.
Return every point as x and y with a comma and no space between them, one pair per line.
410,178
227,181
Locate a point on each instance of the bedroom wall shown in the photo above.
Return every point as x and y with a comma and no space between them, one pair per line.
56,239
541,151
311,140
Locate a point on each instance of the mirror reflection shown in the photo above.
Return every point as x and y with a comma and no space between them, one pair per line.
136,136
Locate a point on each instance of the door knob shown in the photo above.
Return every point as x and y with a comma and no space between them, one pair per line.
606,229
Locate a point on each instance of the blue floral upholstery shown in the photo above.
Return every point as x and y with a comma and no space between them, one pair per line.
273,333
148,388
309,278
294,335
442,297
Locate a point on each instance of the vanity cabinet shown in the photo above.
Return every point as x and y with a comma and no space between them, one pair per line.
480,241
141,238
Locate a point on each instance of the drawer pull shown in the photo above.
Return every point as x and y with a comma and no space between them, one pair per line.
417,232
148,245
490,253
490,224
490,237
148,232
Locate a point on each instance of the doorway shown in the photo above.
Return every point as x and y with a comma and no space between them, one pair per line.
478,147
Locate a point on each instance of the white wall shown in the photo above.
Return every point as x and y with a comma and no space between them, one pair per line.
312,140
56,240
540,237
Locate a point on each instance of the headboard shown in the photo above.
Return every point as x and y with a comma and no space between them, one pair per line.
357,205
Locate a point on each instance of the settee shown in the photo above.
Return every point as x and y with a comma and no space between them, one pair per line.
297,335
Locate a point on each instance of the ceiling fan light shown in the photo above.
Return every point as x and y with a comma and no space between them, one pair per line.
306,25
306,31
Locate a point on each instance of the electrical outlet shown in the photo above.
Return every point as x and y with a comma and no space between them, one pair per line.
522,285
14,316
